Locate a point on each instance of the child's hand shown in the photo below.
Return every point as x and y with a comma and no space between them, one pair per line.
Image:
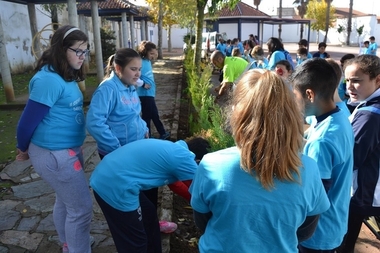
22,156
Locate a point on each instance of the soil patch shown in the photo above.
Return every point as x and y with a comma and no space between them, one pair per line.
185,238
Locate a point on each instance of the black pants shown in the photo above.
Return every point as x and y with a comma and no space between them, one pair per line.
302,249
137,231
149,112
354,226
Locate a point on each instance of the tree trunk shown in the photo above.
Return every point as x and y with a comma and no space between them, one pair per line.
198,36
169,38
327,26
160,17
54,16
349,23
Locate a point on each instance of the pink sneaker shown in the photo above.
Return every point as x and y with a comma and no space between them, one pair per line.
167,227
65,248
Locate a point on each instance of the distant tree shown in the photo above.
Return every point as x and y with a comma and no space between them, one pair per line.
349,22
360,30
107,38
256,3
317,11
53,10
301,8
327,20
173,12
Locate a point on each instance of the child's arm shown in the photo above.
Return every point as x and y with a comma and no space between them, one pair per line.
181,188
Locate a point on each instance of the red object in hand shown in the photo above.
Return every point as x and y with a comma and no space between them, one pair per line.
181,188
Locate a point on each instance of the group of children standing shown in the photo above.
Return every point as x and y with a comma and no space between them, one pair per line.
280,189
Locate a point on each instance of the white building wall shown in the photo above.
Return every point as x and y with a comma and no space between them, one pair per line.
17,35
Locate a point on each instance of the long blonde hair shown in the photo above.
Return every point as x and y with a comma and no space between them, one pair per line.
267,127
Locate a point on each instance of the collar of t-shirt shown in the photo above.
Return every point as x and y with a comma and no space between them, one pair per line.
324,116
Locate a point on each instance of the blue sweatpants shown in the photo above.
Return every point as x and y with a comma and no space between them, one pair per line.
72,213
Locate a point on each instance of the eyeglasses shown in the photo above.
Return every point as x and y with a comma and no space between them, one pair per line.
79,52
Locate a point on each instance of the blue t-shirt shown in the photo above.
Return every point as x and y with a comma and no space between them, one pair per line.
148,77
245,216
138,166
64,125
114,115
373,48
222,47
255,64
330,143
275,57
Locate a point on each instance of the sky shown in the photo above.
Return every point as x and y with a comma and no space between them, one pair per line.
270,6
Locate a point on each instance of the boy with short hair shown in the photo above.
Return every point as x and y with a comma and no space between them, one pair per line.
366,49
301,55
305,44
330,143
373,45
321,51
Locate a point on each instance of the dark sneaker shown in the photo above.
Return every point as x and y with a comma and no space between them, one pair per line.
165,136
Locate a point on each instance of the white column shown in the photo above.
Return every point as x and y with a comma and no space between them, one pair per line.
5,69
142,31
125,29
97,41
115,28
132,28
72,9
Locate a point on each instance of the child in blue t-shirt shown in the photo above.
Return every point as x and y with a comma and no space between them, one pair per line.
330,143
263,185
121,177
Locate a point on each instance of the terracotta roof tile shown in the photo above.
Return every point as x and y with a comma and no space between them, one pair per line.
108,5
241,9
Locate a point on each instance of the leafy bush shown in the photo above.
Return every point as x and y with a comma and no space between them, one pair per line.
186,38
107,38
208,119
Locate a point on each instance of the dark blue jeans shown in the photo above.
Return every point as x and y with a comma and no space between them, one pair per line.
150,113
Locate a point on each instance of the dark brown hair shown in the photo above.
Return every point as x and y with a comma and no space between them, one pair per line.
55,56
144,48
122,57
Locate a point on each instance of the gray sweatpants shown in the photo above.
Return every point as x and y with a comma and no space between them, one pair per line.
63,171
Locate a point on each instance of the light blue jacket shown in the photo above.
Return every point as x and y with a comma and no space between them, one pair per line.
114,115
148,78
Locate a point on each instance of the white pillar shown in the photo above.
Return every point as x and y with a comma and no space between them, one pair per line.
115,28
5,69
72,9
97,41
132,28
142,29
125,29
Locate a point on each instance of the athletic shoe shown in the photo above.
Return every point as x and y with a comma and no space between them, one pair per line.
165,136
65,248
167,227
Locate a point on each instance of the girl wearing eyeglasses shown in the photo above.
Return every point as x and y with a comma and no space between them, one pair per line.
51,132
